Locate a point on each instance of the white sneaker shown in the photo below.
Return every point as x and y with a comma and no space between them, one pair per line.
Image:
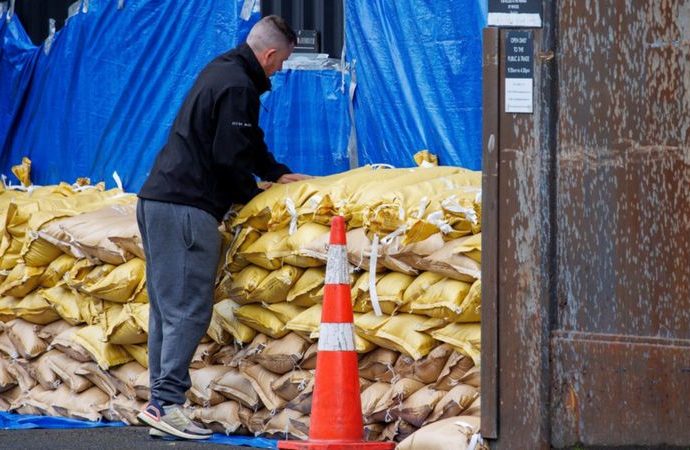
172,421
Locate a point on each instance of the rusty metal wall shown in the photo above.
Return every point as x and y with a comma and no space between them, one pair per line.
622,339
591,302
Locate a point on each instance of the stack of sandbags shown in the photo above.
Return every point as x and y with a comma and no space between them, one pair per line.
63,298
414,246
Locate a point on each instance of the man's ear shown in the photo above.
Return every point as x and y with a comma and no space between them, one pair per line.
269,53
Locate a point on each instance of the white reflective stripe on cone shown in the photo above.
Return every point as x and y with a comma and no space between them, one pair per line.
337,268
337,337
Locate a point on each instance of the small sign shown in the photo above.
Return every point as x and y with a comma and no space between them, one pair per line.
307,41
515,13
519,72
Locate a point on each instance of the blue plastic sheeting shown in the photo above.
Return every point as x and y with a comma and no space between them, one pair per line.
305,118
10,421
419,79
105,96
17,59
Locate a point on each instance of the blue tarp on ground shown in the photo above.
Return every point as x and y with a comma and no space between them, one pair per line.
10,421
103,99
418,71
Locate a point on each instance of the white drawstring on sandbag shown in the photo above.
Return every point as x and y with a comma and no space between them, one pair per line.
373,259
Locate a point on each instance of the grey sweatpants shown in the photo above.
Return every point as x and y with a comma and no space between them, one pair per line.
182,248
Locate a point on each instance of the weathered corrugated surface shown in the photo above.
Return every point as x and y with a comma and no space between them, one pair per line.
593,239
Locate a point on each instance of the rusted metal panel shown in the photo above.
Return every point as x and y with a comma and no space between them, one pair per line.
594,232
489,370
621,349
620,390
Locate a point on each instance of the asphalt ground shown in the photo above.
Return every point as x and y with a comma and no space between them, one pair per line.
120,438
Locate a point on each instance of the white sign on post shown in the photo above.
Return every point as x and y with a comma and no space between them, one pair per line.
519,95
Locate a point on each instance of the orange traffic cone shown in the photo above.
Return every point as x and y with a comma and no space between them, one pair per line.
336,412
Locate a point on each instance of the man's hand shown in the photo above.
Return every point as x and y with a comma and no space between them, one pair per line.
290,177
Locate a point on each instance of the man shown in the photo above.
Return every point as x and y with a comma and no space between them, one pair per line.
213,153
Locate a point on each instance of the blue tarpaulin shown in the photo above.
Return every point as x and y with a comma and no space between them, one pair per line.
9,421
104,97
418,72
306,121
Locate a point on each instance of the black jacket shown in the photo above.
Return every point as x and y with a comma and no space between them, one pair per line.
215,146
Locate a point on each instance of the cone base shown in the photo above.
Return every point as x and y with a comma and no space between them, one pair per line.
334,445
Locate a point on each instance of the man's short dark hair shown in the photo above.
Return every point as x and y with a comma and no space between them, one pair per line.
281,25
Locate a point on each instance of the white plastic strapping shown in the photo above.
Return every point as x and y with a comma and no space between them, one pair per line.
118,181
292,210
436,218
372,276
51,36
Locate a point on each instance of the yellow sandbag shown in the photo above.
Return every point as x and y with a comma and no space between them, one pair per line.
275,287
445,300
306,322
374,192
35,309
72,306
400,333
308,290
294,244
39,252
359,250
405,258
88,234
268,250
107,355
257,213
424,158
471,246
361,297
56,270
140,353
225,312
463,212
448,262
390,289
310,202
129,326
23,171
366,325
11,256
285,311
262,320
7,304
120,284
419,286
417,200
242,284
36,251
21,280
81,268
234,260
216,332
465,337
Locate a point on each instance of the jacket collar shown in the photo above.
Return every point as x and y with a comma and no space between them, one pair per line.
254,70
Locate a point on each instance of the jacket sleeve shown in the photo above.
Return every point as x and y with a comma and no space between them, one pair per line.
239,142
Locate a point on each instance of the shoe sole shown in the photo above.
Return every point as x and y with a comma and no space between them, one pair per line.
151,421
158,434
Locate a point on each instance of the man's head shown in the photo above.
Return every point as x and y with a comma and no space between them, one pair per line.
272,41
